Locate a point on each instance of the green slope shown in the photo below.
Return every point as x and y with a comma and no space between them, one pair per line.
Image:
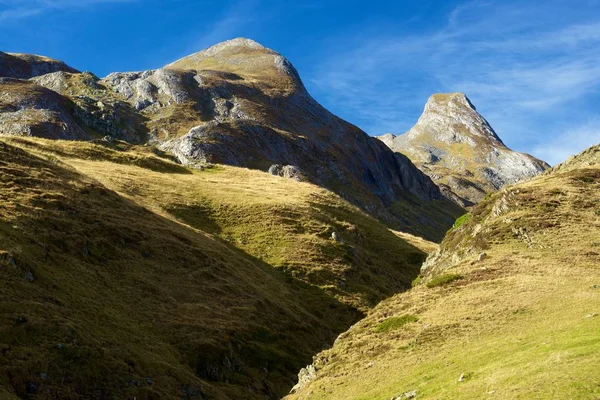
126,275
510,303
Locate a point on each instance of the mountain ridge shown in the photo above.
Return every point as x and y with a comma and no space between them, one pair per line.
239,103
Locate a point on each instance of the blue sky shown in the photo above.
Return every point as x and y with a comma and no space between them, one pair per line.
532,68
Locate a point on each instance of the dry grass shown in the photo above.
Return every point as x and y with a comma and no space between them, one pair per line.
522,323
126,275
284,223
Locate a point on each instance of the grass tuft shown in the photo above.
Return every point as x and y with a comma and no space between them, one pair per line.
460,221
416,281
394,323
443,280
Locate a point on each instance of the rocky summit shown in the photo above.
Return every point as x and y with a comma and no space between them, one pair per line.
236,103
459,150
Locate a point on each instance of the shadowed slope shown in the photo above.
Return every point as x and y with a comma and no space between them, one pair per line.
107,294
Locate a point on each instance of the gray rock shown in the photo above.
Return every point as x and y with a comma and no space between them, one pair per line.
275,169
286,171
464,376
407,395
335,236
305,376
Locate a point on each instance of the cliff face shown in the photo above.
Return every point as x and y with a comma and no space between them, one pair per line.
460,151
241,104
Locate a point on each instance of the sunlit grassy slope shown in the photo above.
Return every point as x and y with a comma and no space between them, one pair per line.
512,308
126,275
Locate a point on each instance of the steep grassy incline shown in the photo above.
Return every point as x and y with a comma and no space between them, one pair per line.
508,308
126,275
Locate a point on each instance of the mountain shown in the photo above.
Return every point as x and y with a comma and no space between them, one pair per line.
25,66
201,230
506,308
236,103
459,150
127,275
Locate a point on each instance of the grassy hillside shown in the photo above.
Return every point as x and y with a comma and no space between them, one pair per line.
126,275
508,308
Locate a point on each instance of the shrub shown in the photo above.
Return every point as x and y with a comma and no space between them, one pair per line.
443,280
416,281
394,323
460,221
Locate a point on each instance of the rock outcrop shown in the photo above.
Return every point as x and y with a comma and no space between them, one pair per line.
460,151
27,109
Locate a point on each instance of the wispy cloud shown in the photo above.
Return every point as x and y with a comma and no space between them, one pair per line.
18,9
572,141
524,67
235,19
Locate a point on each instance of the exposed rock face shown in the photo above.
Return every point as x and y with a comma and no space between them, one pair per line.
460,151
25,66
304,377
286,171
27,109
66,105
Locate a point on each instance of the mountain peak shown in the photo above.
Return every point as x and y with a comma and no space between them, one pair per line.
458,148
455,99
239,44
451,118
246,58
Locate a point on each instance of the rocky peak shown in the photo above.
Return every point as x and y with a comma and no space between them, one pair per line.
452,118
246,59
456,99
234,46
458,148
